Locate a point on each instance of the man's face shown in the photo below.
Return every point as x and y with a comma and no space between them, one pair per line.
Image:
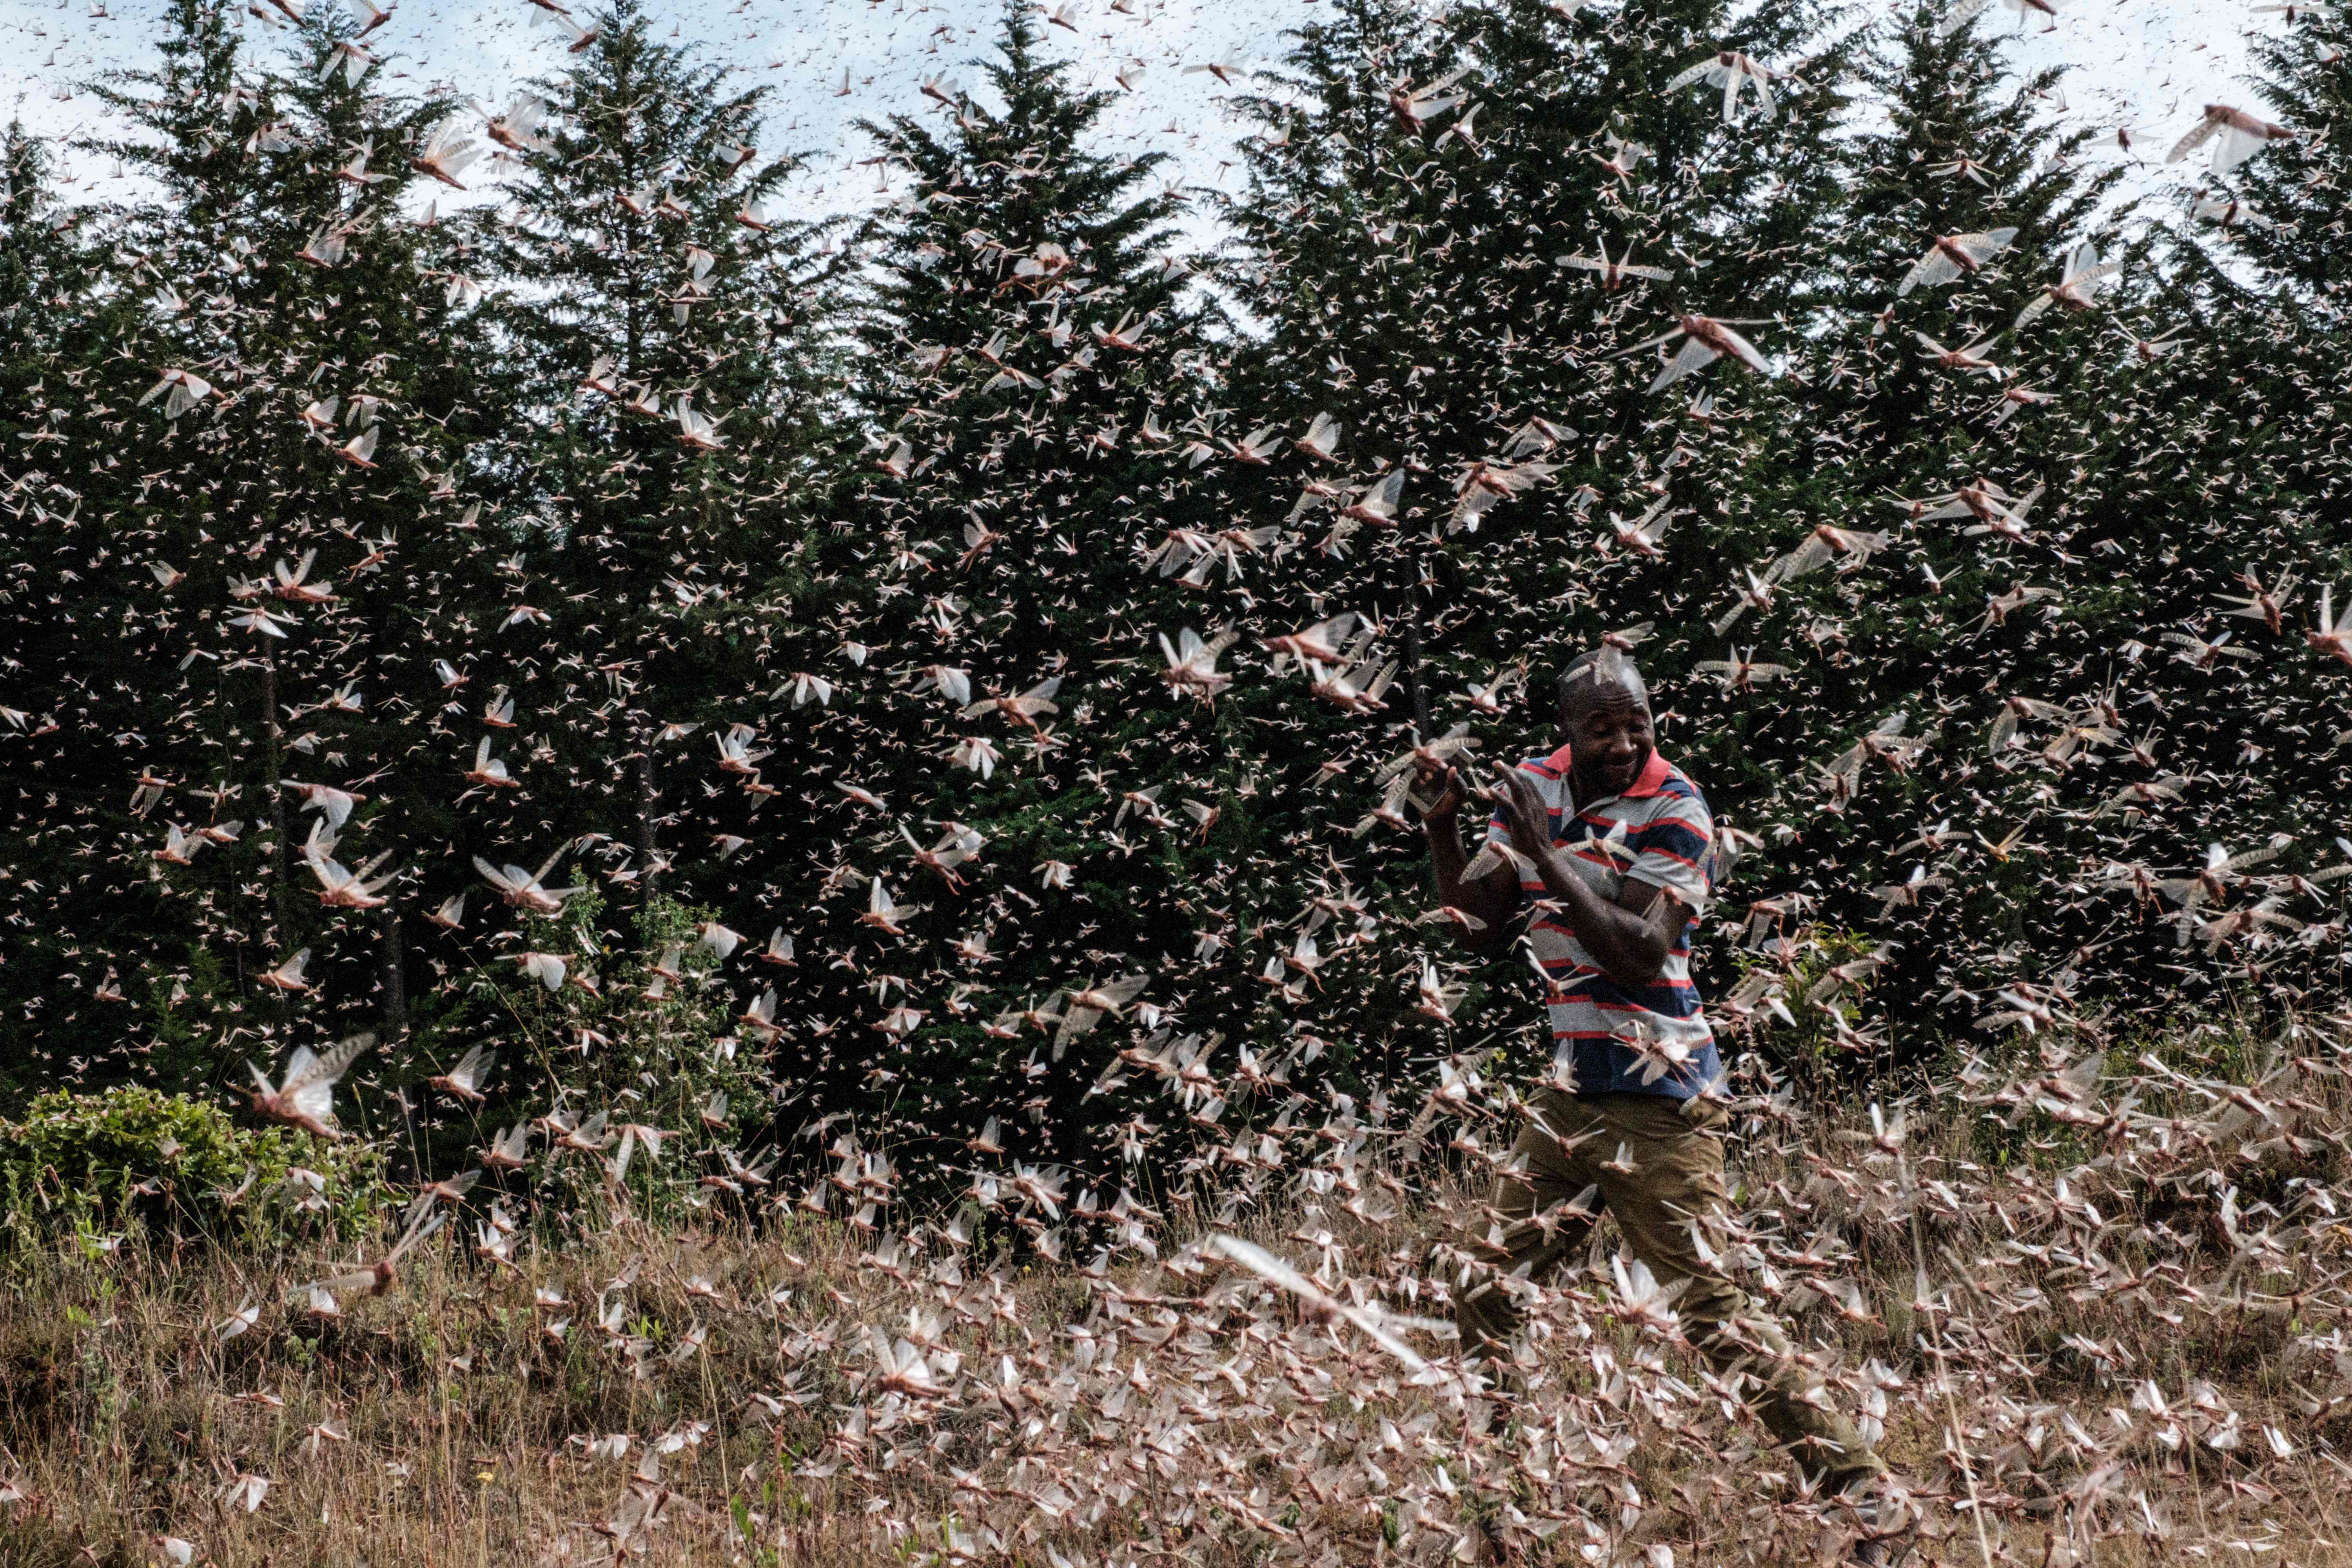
1610,734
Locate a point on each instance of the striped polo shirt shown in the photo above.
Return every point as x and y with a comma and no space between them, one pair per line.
1653,1039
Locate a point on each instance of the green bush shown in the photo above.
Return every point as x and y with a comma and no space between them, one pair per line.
176,1164
665,1047
1811,1048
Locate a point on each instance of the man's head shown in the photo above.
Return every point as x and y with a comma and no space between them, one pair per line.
1604,717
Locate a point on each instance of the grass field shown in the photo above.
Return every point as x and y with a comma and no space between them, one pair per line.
2125,1343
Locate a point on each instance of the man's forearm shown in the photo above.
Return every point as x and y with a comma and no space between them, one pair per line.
1626,946
1445,858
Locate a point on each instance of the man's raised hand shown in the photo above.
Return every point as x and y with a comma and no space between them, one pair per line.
1530,816
1447,804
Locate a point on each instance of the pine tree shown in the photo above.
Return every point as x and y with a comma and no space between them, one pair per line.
1426,199
667,368
271,389
2284,209
2080,435
1436,177
1031,358
45,275
92,654
1874,418
52,341
1966,148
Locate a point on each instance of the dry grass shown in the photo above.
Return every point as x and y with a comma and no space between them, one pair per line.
1246,1433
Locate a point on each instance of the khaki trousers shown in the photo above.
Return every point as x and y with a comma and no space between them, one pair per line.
1676,1150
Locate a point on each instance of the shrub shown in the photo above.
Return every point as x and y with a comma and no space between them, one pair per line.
138,1156
641,1028
1821,1038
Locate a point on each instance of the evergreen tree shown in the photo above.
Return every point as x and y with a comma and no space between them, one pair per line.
2285,209
1031,358
46,275
1435,212
268,418
53,336
2021,485
90,655
1875,415
667,368
626,522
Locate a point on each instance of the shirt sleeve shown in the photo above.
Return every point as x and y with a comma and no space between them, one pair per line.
1677,852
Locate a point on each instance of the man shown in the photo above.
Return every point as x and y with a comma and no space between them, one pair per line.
1612,846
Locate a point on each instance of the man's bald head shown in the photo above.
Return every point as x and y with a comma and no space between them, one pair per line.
1606,674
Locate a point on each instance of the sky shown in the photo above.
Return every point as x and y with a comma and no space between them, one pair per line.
2149,65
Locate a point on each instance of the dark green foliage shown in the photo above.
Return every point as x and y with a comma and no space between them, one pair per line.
1007,428
637,1026
1030,357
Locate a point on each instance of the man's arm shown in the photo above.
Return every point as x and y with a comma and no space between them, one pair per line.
1629,939
1492,899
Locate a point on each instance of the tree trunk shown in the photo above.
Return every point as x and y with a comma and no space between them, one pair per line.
648,805
1413,668
1420,697
395,977
281,863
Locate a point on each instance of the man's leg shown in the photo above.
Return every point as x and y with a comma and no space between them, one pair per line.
1677,1182
1534,1232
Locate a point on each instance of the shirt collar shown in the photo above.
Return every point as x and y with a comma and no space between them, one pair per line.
1654,775
1653,779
